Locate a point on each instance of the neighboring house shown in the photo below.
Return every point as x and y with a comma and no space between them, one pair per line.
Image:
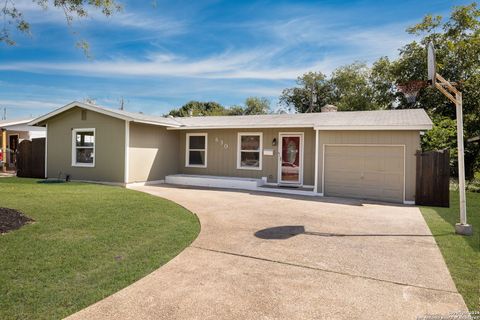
364,154
12,132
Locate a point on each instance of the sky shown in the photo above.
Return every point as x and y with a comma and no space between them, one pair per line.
158,55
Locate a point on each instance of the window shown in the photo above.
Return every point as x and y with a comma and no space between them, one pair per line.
196,151
249,151
83,147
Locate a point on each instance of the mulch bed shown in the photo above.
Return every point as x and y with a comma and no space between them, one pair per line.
11,219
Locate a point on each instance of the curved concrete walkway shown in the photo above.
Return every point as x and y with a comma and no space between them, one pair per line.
353,261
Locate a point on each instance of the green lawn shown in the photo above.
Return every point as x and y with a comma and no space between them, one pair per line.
88,242
461,253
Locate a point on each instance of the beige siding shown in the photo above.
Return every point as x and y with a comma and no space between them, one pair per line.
109,146
153,152
222,154
411,140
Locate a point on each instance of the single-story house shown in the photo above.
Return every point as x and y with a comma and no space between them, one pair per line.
364,154
13,132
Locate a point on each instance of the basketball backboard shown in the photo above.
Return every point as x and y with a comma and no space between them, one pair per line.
432,67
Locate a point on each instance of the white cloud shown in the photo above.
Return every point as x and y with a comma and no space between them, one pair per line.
30,104
155,22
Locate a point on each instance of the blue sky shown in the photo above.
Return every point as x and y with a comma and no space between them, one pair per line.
158,57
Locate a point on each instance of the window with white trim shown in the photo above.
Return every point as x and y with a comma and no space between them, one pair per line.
83,147
196,150
249,151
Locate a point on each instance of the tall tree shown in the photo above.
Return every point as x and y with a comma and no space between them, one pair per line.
198,108
356,87
352,89
313,92
457,43
255,105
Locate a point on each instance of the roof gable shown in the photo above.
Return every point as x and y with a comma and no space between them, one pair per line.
119,114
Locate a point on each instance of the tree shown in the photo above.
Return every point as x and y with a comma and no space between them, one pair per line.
357,87
14,18
313,92
352,89
255,105
457,43
198,108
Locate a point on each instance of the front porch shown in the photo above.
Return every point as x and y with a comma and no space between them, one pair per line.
237,183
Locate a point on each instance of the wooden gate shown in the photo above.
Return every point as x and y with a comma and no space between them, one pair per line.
31,158
433,178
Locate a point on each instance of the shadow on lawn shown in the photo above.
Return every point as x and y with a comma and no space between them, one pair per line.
286,232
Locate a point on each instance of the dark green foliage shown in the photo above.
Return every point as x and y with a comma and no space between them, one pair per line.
253,105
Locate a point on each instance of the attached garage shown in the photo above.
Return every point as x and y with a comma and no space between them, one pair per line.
365,171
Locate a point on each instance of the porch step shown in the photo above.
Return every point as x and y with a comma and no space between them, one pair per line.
214,181
235,183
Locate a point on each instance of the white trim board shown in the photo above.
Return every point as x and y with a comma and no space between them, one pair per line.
127,151
46,151
74,148
187,149
374,128
364,145
239,150
315,183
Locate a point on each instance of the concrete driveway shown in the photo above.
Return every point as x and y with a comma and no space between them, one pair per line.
325,258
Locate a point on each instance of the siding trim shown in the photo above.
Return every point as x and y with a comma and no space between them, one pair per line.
315,184
127,151
46,151
365,145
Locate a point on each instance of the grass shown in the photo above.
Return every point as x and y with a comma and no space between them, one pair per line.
461,253
88,241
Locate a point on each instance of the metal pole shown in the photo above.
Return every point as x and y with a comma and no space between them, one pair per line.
462,227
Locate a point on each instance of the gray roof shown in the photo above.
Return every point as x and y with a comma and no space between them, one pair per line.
413,119
409,119
14,122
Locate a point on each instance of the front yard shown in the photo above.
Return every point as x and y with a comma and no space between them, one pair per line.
462,254
87,242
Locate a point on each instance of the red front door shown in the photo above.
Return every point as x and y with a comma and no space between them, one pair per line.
290,159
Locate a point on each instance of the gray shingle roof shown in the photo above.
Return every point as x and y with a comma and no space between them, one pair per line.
410,119
12,122
345,120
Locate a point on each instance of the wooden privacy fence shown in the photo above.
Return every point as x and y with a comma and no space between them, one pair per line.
31,158
433,178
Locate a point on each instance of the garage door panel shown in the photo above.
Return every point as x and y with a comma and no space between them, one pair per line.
369,172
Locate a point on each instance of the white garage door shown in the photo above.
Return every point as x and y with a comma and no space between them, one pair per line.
367,172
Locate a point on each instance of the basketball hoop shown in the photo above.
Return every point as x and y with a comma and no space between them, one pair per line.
410,89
